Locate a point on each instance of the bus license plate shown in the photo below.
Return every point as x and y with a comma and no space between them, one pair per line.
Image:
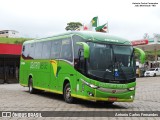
112,99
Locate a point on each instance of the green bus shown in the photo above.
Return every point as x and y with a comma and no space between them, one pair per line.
92,66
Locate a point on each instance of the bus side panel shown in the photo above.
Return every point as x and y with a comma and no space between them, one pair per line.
40,71
21,73
54,75
83,91
66,72
24,68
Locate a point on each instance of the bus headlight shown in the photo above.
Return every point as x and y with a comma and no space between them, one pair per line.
88,84
131,89
93,86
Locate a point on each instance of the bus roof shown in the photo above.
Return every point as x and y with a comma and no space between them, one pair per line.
89,36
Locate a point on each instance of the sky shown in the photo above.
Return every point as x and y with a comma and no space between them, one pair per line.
43,18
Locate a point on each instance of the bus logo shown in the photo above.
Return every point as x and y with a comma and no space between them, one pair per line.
113,91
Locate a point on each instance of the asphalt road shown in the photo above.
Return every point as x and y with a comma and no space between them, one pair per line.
14,97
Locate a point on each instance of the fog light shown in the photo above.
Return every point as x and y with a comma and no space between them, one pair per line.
132,97
90,94
131,89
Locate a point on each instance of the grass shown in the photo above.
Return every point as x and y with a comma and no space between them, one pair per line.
13,40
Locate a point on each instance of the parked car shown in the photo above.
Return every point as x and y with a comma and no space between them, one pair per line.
140,72
152,72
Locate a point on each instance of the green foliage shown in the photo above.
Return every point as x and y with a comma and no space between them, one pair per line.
73,26
149,55
13,40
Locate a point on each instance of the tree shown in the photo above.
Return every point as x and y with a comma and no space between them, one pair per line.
73,26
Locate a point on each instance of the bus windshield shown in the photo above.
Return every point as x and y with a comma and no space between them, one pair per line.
110,63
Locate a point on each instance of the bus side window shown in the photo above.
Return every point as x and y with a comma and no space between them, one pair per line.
23,48
56,49
66,52
25,51
77,47
46,50
31,49
38,50
79,62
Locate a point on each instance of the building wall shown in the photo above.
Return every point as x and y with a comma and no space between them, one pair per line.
9,62
9,68
13,34
9,33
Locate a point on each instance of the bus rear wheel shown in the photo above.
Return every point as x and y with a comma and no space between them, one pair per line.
67,93
30,85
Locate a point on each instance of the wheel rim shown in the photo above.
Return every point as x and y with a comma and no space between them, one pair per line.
68,93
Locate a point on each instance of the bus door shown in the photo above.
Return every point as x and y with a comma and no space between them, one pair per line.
80,67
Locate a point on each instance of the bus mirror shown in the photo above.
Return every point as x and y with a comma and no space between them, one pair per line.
142,54
85,47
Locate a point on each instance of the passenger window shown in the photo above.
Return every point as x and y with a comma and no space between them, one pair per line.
46,50
56,49
31,50
38,50
77,47
66,52
25,51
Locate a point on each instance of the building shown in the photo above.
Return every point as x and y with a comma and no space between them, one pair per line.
150,44
9,62
9,33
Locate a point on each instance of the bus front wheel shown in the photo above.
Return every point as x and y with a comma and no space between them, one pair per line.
30,85
67,93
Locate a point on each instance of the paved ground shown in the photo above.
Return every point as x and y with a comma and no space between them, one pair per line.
14,97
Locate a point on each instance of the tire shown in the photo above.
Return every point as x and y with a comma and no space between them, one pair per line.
30,85
67,93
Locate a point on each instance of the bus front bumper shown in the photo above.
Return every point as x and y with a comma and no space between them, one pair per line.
101,96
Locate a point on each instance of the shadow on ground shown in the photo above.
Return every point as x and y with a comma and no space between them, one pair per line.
82,103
